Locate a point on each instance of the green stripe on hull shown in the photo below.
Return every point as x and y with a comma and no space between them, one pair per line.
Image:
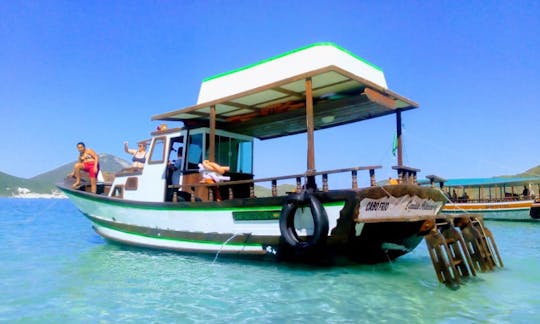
242,205
256,215
187,206
165,234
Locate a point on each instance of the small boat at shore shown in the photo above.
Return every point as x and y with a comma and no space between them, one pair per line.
535,209
499,198
207,202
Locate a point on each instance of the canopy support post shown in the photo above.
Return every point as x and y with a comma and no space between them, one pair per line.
212,144
310,136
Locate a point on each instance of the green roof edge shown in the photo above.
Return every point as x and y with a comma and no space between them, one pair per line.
289,53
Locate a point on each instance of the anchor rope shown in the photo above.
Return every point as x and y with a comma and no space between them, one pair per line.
389,194
223,245
39,213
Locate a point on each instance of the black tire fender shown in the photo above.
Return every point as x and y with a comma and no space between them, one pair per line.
320,221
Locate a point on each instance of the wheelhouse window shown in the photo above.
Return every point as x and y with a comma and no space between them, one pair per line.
157,153
194,151
245,156
176,153
235,153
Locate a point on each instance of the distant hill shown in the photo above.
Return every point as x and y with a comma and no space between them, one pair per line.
44,183
533,172
9,185
261,191
107,162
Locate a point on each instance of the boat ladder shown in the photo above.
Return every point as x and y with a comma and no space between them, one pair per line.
457,254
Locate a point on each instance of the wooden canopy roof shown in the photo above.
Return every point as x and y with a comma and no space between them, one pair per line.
268,99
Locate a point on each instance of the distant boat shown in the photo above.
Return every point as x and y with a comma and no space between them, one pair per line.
26,193
535,209
206,202
498,198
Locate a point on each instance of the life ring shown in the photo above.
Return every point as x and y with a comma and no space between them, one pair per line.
320,221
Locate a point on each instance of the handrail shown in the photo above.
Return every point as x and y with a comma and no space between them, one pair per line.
274,180
292,176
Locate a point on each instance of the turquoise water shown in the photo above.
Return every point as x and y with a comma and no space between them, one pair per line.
55,269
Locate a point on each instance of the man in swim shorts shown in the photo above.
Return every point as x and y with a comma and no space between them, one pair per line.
89,162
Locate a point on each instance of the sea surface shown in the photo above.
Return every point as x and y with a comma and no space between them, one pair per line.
55,269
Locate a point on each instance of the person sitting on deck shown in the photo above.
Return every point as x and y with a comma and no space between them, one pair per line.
212,172
88,161
139,155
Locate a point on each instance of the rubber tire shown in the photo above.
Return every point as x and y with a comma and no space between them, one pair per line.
320,221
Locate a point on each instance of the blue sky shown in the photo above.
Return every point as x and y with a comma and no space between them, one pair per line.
96,71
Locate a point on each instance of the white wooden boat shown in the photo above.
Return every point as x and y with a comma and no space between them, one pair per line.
498,198
316,87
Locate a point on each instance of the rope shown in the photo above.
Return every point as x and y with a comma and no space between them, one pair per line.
223,245
35,215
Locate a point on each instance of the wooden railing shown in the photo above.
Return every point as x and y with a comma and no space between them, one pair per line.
274,181
406,174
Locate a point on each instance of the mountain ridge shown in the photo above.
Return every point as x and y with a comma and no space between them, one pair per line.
44,183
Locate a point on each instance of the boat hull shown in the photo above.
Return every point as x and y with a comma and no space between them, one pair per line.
508,210
364,226
535,210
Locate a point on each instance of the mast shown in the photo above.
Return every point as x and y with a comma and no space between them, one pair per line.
399,140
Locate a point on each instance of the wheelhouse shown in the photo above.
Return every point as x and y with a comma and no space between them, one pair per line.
174,158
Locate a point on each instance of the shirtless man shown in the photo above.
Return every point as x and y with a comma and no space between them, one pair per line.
88,161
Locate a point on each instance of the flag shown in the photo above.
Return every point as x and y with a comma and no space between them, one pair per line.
395,145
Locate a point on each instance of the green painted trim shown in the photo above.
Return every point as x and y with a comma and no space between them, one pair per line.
480,211
194,207
106,225
162,206
289,53
256,215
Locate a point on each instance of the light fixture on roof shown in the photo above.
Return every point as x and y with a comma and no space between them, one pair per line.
328,119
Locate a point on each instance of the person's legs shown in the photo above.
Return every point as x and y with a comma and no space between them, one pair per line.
93,186
89,167
77,173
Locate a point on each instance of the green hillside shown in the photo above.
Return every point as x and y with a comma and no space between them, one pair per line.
107,162
534,172
261,191
9,185
45,182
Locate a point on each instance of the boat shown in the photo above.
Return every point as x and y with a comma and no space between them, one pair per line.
534,212
25,193
207,203
497,198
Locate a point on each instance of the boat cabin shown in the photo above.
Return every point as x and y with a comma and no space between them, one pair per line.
174,160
